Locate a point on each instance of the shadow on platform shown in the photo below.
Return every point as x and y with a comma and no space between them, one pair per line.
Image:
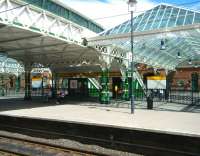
10,103
20,103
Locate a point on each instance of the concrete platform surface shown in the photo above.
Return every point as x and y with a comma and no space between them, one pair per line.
182,123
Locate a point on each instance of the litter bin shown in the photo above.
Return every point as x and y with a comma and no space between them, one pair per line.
149,102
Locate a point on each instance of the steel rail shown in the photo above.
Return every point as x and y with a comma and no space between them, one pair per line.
44,145
105,141
10,153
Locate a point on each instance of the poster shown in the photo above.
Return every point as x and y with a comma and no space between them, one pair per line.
156,82
73,84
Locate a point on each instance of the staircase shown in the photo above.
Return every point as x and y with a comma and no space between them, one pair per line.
94,91
138,77
95,83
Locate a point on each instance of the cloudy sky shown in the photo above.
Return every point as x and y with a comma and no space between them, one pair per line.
98,10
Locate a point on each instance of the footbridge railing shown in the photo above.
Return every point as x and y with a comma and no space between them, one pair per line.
17,13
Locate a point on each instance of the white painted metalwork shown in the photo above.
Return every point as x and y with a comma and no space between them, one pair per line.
170,16
142,17
18,14
148,19
156,17
10,66
30,34
147,47
95,82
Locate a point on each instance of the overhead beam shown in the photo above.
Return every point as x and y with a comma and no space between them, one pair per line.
146,33
18,39
2,26
36,47
70,52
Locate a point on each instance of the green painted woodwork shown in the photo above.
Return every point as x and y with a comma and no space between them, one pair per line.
65,13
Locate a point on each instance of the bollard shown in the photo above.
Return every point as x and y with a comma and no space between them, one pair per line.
149,102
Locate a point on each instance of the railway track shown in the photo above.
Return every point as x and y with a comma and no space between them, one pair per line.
13,146
8,153
122,140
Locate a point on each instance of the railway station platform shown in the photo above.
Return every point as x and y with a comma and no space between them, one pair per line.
168,129
166,117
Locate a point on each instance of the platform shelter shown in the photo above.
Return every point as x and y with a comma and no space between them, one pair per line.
50,34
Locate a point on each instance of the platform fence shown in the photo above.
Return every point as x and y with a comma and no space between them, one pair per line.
172,96
180,96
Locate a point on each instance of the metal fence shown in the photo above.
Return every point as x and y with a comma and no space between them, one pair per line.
158,95
173,96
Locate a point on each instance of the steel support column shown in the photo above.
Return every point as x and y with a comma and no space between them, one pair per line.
27,83
2,92
104,94
125,95
17,84
54,85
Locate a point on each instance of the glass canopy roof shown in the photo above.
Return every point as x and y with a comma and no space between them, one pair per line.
164,22
162,16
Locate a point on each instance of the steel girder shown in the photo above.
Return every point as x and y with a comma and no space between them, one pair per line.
16,13
184,39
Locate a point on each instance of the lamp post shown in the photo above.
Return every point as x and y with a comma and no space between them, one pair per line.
131,8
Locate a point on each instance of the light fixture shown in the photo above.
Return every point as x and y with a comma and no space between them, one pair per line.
162,45
190,61
179,55
132,5
131,9
84,41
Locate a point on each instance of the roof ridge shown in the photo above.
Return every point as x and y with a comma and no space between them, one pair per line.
178,7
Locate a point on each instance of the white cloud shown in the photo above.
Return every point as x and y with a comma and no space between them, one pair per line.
95,9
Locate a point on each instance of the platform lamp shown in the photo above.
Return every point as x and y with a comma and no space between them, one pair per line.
162,45
179,55
190,61
131,9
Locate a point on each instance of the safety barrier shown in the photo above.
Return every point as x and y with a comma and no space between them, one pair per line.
173,95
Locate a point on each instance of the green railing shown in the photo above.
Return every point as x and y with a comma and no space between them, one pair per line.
65,13
92,90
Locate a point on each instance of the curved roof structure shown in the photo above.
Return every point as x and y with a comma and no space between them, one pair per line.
64,11
178,28
30,35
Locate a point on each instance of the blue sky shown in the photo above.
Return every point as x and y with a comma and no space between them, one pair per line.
97,10
194,4
104,1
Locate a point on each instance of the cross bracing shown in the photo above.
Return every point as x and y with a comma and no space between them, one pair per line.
40,43
30,34
179,28
16,13
64,11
